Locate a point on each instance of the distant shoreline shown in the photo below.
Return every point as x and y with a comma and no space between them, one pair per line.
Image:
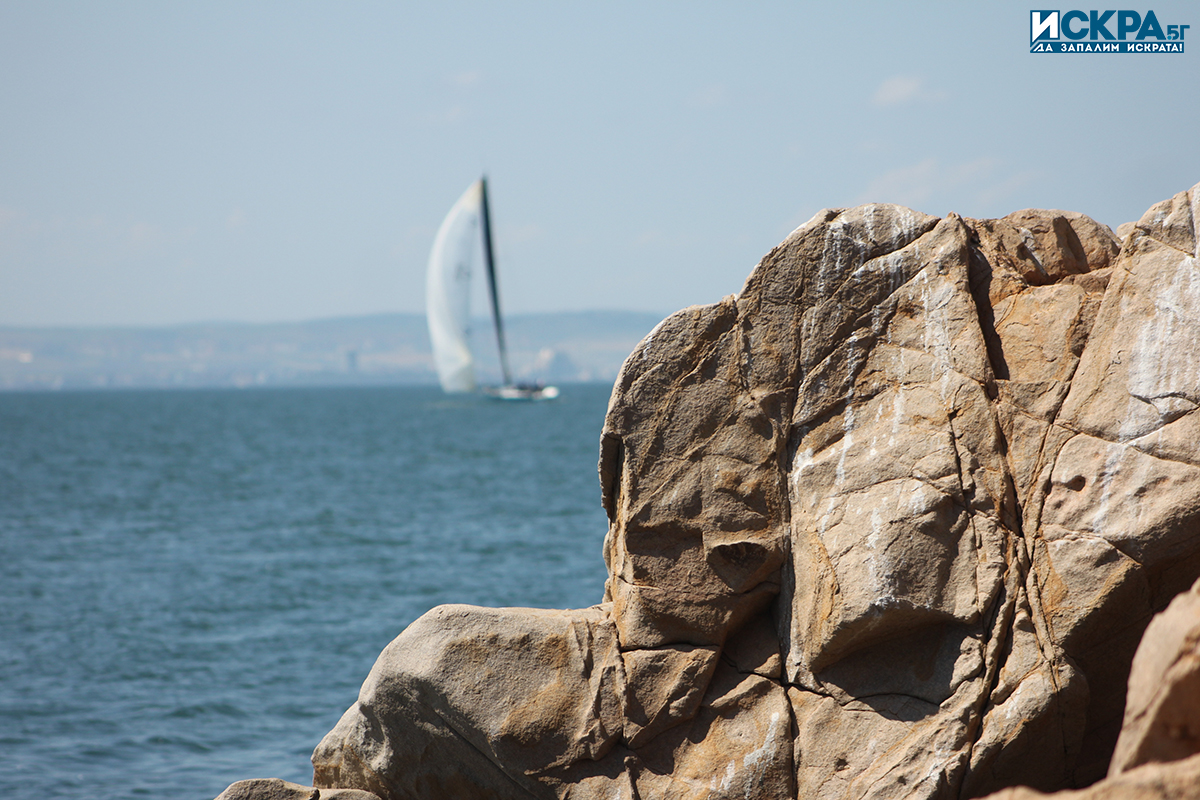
374,350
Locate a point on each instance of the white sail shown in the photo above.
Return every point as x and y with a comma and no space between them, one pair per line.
448,291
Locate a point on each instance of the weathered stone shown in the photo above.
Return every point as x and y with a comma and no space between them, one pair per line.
276,789
347,794
1158,753
1162,711
268,789
1117,528
887,524
471,702
1177,780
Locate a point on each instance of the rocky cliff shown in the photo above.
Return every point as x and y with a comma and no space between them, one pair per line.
890,523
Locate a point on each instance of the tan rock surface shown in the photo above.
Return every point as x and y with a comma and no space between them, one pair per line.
276,789
888,524
1162,711
1178,780
1158,753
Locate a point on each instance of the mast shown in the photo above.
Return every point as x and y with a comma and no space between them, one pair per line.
493,290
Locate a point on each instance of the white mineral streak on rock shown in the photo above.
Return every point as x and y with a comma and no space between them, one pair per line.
877,567
941,760
839,246
1017,701
847,443
758,759
1108,473
649,340
897,407
1032,247
726,779
890,270
1157,375
1196,220
802,461
935,300
877,423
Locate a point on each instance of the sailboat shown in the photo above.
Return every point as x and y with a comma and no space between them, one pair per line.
448,295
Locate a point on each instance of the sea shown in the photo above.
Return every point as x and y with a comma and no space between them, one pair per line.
194,584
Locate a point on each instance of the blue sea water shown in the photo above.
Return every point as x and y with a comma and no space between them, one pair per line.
194,584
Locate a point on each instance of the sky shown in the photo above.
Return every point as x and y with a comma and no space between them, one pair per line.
169,163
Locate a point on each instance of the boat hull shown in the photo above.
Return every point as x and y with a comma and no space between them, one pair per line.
519,393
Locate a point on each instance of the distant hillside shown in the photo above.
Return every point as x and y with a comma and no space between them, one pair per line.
379,349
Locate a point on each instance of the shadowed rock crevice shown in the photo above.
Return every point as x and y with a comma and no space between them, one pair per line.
887,524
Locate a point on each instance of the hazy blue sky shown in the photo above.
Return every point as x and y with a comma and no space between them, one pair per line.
165,162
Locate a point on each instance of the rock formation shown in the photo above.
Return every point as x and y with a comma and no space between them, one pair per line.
1162,708
276,789
1158,752
888,524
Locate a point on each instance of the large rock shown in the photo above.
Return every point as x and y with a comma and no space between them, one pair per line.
1177,780
889,523
276,789
1158,752
1162,711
